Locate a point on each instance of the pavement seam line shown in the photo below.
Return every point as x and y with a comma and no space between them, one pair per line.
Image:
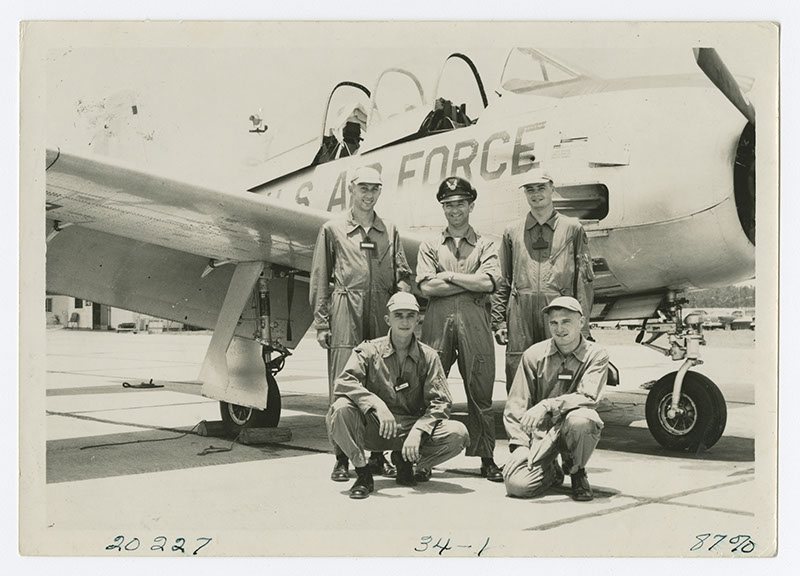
107,421
641,501
132,408
712,508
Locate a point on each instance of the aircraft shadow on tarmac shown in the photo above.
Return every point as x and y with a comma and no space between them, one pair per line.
619,436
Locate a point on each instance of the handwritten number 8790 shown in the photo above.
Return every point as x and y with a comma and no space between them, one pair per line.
741,541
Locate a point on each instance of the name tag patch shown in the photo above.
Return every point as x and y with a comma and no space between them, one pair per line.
401,386
565,375
368,245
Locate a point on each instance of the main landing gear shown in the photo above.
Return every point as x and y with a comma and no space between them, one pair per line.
232,371
685,410
236,418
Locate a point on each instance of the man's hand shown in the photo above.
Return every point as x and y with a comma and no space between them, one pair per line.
530,459
501,336
403,286
387,426
537,418
324,338
411,445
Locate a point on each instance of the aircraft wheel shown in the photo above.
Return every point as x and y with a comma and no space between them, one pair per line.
703,418
237,418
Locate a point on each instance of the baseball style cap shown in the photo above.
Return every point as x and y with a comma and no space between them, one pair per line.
402,301
566,302
455,188
366,175
537,176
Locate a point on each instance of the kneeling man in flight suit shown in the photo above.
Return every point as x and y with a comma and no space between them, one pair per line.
550,407
393,395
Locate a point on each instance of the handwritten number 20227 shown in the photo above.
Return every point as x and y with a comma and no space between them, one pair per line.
159,544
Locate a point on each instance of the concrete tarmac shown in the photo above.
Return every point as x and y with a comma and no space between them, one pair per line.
120,457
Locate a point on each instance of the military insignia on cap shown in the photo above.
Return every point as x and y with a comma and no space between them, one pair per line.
452,183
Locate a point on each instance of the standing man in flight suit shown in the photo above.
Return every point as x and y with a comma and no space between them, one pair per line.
457,272
363,257
543,256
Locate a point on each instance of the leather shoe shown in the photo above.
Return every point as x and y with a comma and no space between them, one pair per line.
405,470
423,474
379,465
363,485
581,490
491,471
340,472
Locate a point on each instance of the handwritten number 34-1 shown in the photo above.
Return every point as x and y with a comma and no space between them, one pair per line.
159,544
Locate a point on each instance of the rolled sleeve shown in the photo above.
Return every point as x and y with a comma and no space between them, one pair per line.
490,263
426,263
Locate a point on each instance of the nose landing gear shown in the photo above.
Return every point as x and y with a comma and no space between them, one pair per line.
684,410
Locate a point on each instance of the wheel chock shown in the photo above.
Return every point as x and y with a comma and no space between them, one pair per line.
213,428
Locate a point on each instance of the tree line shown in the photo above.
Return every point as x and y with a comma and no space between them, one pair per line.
726,297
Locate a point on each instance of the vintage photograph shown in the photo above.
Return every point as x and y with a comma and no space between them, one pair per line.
399,289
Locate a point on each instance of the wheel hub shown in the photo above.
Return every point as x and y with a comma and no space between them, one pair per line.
678,422
239,414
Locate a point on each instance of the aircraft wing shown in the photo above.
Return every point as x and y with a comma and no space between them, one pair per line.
115,199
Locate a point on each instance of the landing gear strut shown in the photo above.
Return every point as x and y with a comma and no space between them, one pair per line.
237,417
685,410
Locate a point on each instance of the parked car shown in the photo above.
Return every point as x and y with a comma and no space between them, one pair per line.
127,327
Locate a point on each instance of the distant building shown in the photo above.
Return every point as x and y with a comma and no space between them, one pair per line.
79,314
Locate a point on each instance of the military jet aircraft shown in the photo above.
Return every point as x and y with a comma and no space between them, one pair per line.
660,169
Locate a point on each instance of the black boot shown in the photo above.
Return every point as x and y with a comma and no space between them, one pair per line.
380,466
339,472
581,490
405,470
363,485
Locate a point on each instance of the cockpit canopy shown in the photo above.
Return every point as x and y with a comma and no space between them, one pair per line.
527,69
398,109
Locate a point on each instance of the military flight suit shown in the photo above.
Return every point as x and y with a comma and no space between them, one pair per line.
570,387
415,392
364,267
457,327
539,262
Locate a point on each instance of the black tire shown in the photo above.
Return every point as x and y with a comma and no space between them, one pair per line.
236,418
706,413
